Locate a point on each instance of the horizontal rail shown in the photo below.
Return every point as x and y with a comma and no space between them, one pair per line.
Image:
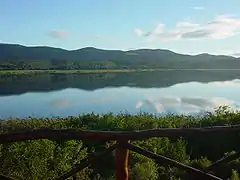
60,134
222,161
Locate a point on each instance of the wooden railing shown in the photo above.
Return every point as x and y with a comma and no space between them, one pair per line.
123,146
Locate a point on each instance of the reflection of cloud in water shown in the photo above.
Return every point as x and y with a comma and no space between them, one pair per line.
63,103
186,104
104,99
158,106
60,103
235,82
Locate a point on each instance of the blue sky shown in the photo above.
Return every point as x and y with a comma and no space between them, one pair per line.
187,26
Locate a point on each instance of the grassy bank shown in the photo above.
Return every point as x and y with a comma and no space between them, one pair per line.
45,159
102,71
75,71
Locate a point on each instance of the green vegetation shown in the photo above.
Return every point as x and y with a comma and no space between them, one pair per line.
89,71
17,57
45,159
70,71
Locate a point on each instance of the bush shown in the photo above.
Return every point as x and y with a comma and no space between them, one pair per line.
144,171
45,159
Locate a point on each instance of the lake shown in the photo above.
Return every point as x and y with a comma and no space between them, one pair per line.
160,92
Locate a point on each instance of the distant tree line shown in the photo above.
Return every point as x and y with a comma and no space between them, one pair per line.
70,64
22,57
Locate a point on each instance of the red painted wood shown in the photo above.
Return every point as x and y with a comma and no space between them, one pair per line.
121,163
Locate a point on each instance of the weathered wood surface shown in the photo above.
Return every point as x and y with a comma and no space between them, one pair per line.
222,161
64,134
121,161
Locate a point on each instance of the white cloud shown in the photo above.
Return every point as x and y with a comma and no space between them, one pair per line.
222,26
160,32
198,8
59,34
186,24
138,31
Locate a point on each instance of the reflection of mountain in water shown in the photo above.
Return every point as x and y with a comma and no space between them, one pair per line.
17,84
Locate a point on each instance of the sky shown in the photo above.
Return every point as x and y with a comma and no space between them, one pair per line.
183,26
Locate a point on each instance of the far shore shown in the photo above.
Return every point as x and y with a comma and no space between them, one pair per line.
103,70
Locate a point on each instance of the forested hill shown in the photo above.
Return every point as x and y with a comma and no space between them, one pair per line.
14,56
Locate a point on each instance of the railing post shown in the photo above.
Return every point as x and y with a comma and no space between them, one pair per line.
74,177
121,161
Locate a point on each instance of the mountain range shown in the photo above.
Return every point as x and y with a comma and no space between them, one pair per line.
14,56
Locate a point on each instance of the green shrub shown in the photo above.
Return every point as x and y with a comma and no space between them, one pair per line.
45,159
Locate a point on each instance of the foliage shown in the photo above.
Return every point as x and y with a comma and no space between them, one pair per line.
45,159
235,175
41,159
202,162
144,170
21,57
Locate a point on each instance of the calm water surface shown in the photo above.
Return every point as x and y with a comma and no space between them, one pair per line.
63,95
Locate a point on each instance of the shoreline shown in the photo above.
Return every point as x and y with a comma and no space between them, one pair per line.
103,71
